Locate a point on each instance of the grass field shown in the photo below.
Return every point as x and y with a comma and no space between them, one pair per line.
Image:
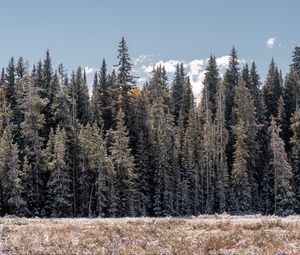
202,235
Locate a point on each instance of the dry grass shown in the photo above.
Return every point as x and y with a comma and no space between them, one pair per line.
203,235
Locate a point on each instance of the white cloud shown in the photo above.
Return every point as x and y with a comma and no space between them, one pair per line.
89,70
195,70
270,42
170,65
142,59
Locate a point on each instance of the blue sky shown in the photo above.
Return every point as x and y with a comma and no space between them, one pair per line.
83,32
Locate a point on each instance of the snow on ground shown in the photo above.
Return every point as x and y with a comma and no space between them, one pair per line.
207,234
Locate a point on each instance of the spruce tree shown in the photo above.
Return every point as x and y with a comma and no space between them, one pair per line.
96,114
124,66
221,140
272,90
291,95
32,105
11,91
124,167
2,76
10,175
126,80
166,172
241,189
177,91
231,78
59,197
211,84
81,96
245,111
109,97
21,68
296,61
284,197
191,157
295,143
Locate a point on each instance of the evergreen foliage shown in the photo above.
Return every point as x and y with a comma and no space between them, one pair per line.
126,150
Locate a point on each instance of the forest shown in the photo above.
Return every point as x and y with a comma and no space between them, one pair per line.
125,151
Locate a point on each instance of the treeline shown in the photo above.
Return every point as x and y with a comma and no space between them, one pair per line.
126,151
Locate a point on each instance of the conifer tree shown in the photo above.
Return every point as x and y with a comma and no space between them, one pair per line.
124,167
21,68
126,80
124,66
109,97
177,91
241,189
188,102
32,105
10,175
89,140
295,142
291,95
284,200
59,200
221,140
246,148
2,76
231,78
47,72
211,83
161,123
272,90
81,96
191,204
96,114
296,61
254,88
11,86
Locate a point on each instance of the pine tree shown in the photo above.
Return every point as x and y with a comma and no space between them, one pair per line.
96,114
191,156
211,84
284,201
47,72
124,166
89,140
81,96
109,97
187,103
177,91
272,90
59,199
295,142
11,86
166,172
221,140
296,61
10,175
208,161
231,78
126,80
291,95
2,76
124,66
241,189
246,148
21,69
32,105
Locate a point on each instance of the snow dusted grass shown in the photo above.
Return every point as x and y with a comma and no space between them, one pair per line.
221,234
